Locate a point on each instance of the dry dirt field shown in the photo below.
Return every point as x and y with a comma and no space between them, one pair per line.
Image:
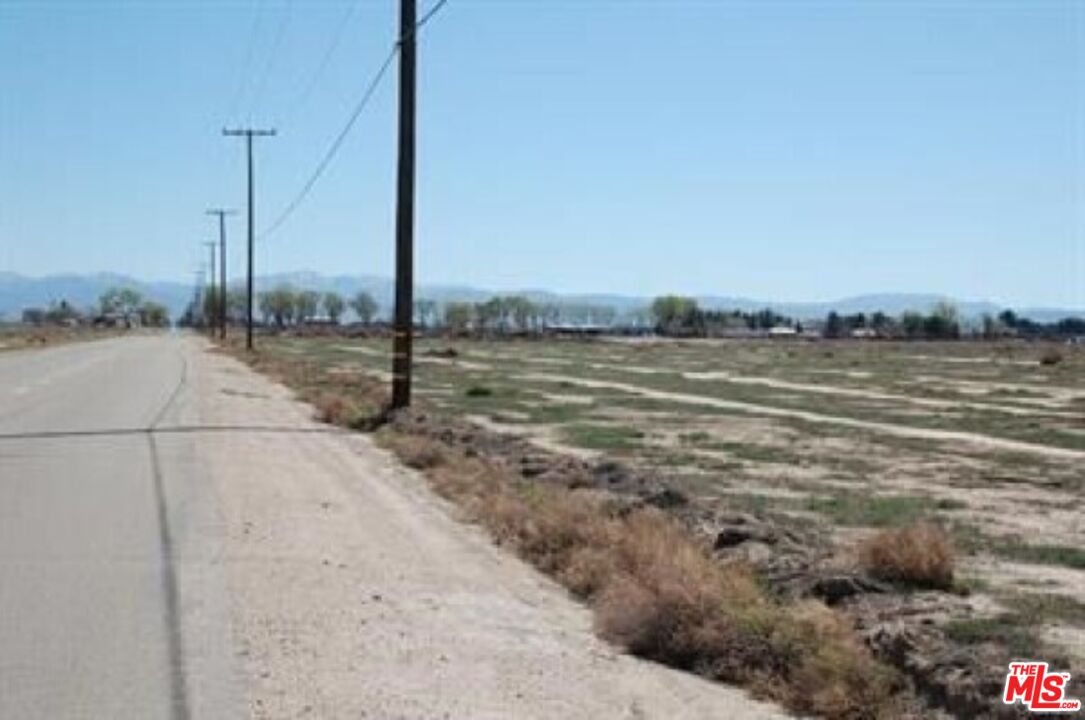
18,337
987,440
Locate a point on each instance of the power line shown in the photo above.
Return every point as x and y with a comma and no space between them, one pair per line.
242,84
326,160
341,26
354,115
432,11
273,54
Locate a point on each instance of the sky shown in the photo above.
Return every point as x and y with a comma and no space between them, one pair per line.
799,150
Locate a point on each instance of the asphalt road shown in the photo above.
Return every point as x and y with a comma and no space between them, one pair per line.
179,539
89,609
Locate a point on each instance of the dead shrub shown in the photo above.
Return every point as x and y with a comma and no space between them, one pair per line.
920,555
654,588
335,410
658,593
1051,357
419,453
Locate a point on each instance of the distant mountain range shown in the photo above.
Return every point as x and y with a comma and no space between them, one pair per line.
18,292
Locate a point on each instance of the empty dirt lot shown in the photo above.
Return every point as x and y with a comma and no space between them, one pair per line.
985,439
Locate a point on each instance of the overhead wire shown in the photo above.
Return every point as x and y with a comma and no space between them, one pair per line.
325,161
242,83
273,55
322,66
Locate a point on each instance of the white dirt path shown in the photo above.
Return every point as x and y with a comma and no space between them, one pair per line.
974,439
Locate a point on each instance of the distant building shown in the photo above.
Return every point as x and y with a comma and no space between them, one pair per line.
571,330
864,333
782,331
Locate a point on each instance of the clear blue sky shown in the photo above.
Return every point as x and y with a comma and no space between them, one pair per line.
785,150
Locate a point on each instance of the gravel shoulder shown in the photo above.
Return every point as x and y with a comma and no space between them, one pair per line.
354,592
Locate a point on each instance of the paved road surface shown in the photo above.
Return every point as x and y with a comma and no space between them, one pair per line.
178,539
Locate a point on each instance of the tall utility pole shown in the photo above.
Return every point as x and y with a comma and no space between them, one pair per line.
211,318
249,134
404,311
222,213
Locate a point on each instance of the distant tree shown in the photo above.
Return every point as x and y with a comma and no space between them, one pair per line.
364,306
1008,318
942,323
33,316
489,314
913,325
1070,326
154,314
211,304
61,313
458,316
123,301
675,314
237,306
550,314
425,312
279,304
334,304
266,305
834,325
523,312
306,305
882,324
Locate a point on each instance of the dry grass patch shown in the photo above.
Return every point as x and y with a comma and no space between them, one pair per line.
335,410
920,555
658,592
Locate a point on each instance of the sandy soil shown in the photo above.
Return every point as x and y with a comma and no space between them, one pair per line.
355,594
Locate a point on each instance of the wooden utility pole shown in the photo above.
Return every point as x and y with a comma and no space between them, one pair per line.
211,316
404,311
222,213
249,134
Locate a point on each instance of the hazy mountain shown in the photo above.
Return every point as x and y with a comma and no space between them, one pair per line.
18,292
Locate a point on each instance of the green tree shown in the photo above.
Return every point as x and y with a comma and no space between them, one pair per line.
523,311
279,304
334,304
942,323
425,312
364,306
237,305
123,301
458,316
306,304
154,314
211,300
913,325
674,314
834,325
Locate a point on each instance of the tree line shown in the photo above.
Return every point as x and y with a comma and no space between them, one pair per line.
285,306
679,316
668,315
117,306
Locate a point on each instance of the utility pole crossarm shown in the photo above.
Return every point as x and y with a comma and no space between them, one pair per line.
249,132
